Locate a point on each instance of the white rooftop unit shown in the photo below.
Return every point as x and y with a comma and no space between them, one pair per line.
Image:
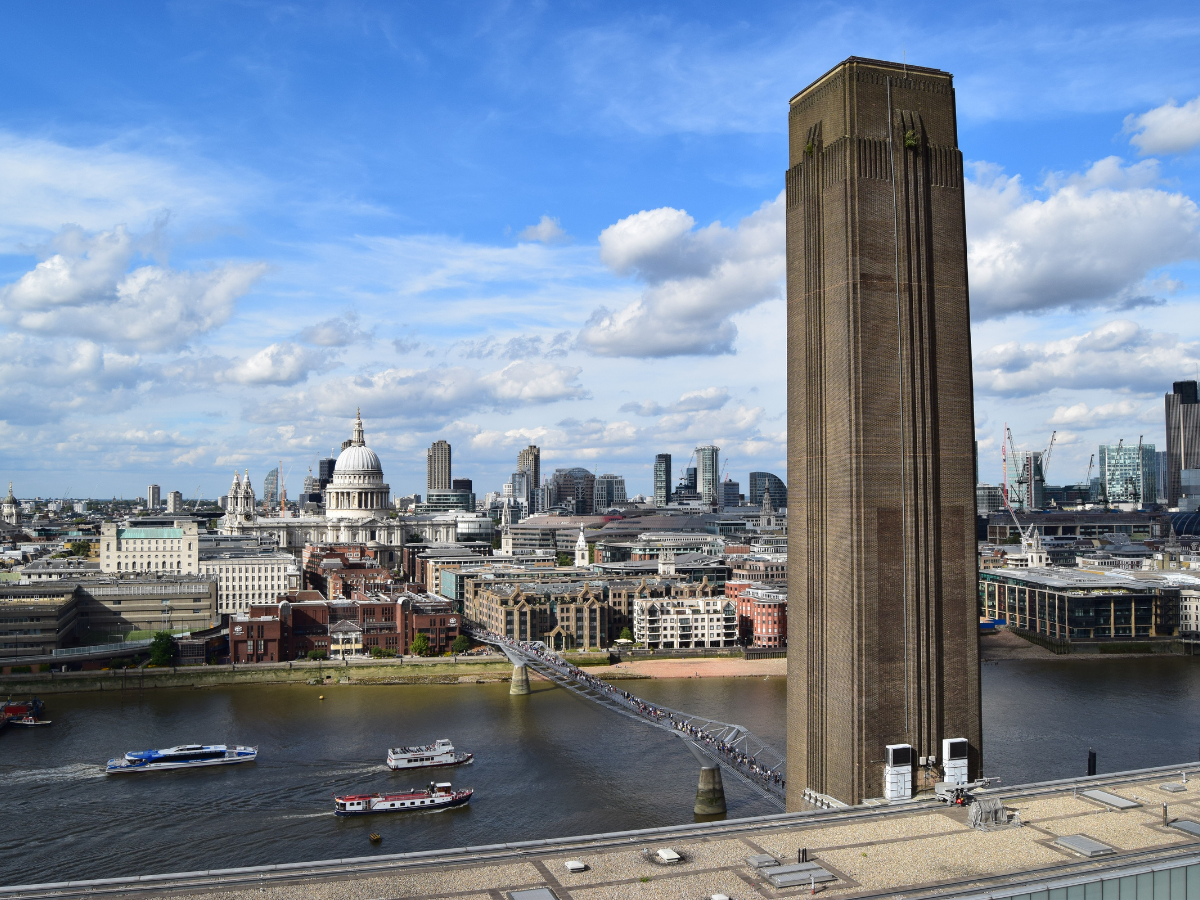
954,760
898,772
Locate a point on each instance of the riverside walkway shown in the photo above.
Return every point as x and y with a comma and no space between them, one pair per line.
735,749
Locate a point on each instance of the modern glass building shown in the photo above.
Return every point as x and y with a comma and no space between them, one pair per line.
708,474
760,483
1128,476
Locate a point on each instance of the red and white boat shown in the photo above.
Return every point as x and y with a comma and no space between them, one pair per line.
438,755
437,796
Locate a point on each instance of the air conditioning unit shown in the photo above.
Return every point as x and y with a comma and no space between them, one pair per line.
898,772
954,760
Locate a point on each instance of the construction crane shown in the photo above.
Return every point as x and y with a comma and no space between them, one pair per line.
196,498
1046,453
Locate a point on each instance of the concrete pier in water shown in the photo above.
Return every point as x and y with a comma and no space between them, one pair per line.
520,680
710,793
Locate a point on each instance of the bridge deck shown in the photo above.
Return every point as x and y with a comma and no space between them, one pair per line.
735,749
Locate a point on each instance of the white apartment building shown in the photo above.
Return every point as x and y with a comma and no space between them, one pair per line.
175,549
244,578
686,623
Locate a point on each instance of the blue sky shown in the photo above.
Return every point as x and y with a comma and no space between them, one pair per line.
225,225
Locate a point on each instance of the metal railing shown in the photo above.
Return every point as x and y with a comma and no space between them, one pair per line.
734,748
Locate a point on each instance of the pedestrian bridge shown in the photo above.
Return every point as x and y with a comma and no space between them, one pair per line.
736,750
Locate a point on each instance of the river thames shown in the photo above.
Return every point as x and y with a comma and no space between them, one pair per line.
549,764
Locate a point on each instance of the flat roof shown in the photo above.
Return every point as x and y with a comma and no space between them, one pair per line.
920,848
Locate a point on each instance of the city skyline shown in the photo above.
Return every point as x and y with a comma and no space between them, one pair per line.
182,293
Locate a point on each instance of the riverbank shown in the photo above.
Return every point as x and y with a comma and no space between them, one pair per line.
721,667
441,670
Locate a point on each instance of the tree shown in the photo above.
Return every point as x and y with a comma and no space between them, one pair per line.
626,634
162,648
80,548
461,644
566,559
419,645
318,654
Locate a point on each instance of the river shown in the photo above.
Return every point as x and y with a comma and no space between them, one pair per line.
549,764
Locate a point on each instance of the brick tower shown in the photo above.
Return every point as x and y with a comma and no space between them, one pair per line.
883,629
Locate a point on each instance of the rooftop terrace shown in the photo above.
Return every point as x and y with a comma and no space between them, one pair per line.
915,850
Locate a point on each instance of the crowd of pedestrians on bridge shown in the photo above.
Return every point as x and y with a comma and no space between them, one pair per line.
742,762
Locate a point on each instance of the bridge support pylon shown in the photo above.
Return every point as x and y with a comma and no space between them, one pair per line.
520,680
710,793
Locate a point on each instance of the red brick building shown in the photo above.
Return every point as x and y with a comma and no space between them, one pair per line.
762,613
301,622
338,570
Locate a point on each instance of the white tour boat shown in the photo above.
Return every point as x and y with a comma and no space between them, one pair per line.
185,756
437,796
439,754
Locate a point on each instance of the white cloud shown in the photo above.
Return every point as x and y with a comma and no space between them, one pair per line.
1079,414
1095,240
547,231
84,290
283,363
693,401
44,184
340,331
431,394
1169,128
43,380
1118,355
696,280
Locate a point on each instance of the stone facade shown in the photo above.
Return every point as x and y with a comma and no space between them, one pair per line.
883,643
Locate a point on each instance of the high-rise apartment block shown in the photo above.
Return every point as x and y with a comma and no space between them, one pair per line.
153,497
530,460
883,630
662,479
708,466
174,502
1183,436
1127,473
437,467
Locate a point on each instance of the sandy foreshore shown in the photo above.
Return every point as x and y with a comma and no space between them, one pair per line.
721,667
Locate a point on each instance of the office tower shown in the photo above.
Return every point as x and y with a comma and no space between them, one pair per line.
609,490
437,467
573,489
1027,480
461,484
1183,436
730,493
883,644
153,497
530,460
271,490
662,479
760,483
708,465
325,469
1128,474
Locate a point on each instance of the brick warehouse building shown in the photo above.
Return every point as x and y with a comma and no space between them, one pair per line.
289,629
881,554
762,613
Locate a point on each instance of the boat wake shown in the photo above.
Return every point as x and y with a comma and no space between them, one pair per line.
74,772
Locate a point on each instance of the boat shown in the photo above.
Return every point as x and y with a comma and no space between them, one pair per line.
438,755
28,720
438,796
185,756
15,709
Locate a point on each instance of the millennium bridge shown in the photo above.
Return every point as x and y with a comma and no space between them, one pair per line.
719,746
